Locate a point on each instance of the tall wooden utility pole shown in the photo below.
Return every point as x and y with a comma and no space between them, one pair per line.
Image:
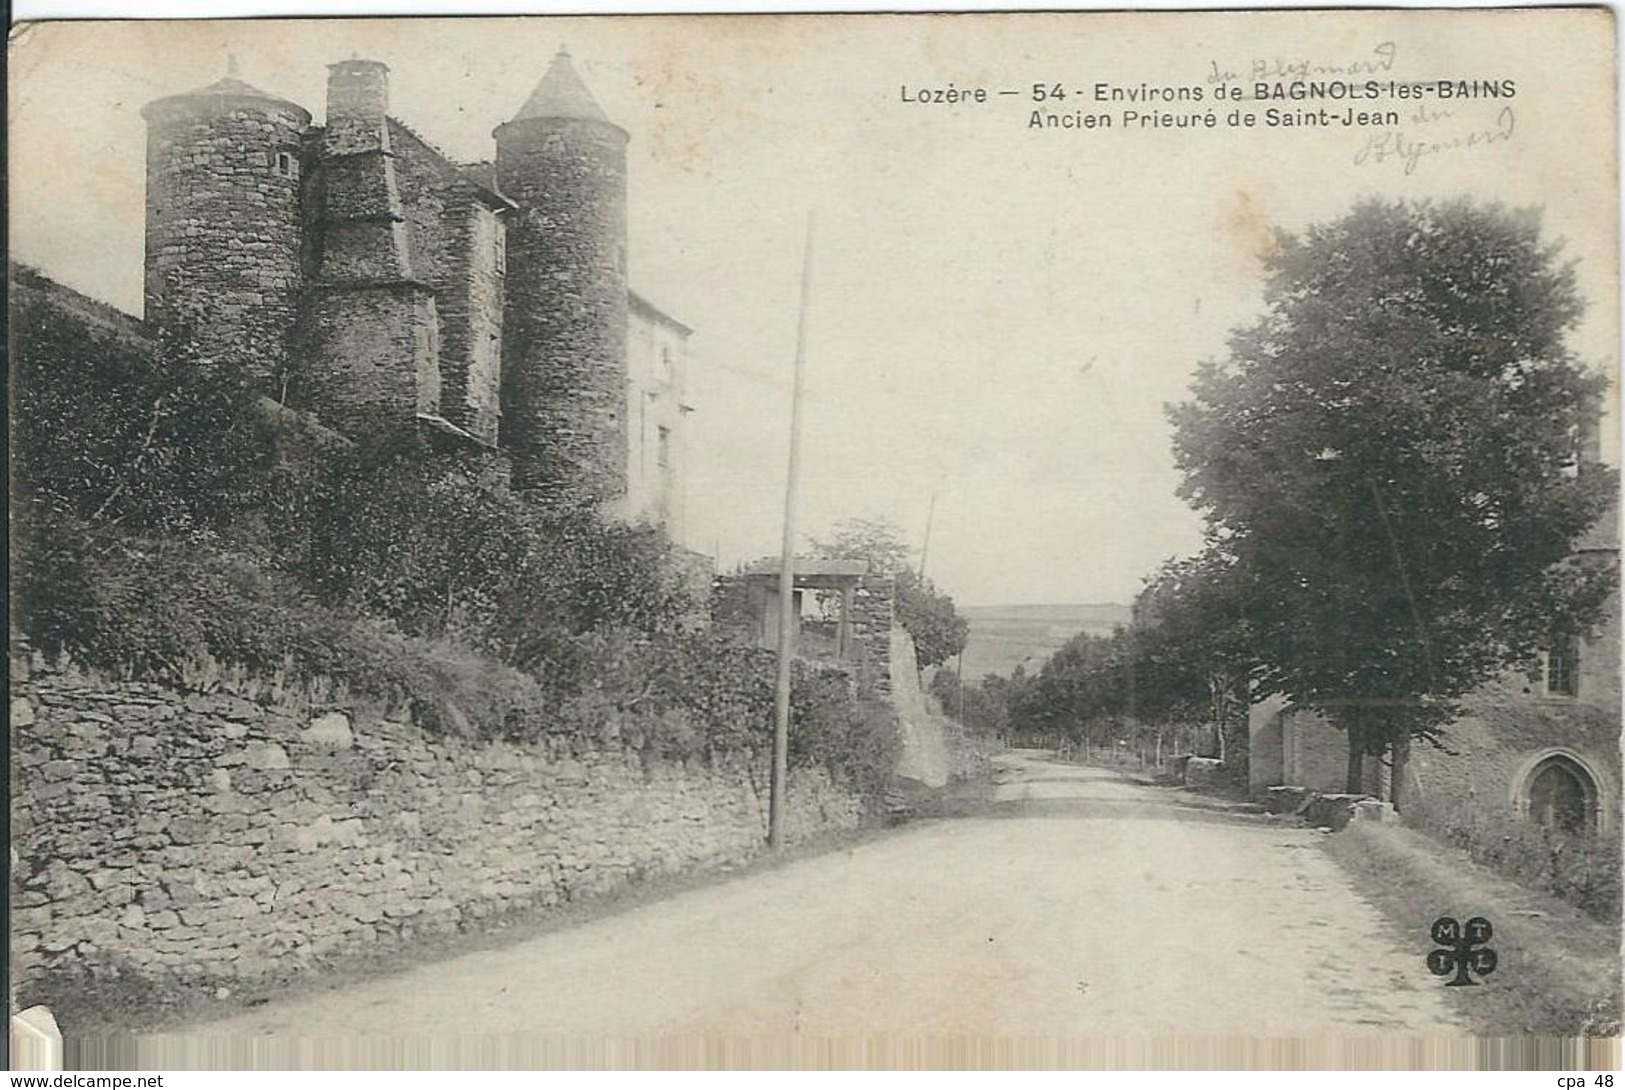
959,682
925,547
787,571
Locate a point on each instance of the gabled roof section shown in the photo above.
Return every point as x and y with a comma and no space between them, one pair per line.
449,170
562,94
642,306
810,567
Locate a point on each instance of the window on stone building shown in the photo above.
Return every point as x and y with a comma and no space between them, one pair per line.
286,164
1560,794
1563,667
663,448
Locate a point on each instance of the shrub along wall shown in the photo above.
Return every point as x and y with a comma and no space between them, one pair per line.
1465,796
1464,792
210,836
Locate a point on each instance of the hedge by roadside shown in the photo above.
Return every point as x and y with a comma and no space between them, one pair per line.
165,610
162,518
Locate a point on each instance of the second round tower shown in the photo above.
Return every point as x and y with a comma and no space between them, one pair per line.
564,386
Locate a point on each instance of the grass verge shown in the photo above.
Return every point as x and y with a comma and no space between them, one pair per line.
1559,969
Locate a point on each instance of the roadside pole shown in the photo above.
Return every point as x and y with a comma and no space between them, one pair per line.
959,683
787,571
925,547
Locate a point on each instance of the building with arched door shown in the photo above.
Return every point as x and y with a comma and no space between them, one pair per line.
1561,790
1541,746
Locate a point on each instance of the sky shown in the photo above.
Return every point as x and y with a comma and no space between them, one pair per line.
999,314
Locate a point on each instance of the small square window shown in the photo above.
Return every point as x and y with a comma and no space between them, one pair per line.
286,164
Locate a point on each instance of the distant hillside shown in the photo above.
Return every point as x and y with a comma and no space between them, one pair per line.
1002,637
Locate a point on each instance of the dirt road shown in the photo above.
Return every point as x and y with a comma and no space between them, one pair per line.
1078,903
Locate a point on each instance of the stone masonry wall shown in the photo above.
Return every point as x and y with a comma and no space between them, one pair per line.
456,243
1504,727
207,836
223,226
1315,755
373,355
926,757
1598,680
1502,730
565,316
872,615
476,404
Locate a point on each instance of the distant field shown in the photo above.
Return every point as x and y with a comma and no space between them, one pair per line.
1002,637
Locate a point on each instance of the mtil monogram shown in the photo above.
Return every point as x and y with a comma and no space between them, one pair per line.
1459,956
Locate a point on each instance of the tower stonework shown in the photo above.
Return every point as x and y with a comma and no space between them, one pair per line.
223,232
354,270
371,330
564,413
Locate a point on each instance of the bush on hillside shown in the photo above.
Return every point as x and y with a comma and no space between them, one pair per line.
689,694
154,609
852,732
431,543
159,442
160,524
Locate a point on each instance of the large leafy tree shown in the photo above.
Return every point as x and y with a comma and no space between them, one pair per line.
877,541
926,613
1192,648
930,618
1391,455
981,706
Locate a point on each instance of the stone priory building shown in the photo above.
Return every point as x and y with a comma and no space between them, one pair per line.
353,271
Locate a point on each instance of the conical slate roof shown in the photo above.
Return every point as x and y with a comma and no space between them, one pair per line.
562,94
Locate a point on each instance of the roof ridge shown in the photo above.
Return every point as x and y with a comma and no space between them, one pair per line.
452,168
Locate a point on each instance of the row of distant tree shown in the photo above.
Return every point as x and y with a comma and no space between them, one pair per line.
1392,469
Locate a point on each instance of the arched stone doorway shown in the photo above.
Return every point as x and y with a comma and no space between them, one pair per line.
1560,790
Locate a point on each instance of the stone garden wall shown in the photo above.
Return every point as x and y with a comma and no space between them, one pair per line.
211,836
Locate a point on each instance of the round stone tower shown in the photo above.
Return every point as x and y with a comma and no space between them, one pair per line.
564,380
224,223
